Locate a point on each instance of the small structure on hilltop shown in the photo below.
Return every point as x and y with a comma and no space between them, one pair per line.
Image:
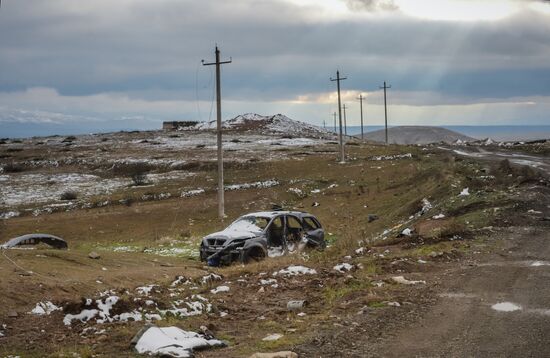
176,125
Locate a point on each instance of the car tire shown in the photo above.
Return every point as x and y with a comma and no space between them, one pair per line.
254,254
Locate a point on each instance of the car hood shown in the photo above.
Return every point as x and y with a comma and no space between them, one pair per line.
230,234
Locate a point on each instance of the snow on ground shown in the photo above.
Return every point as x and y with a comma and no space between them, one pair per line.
295,270
9,214
210,278
464,192
272,337
438,216
344,267
145,290
402,280
392,157
21,189
255,185
44,308
173,342
220,289
506,307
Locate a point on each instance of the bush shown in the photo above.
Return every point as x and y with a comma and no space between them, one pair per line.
13,168
136,171
69,195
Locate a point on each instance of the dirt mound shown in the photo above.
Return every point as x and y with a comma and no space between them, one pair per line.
417,135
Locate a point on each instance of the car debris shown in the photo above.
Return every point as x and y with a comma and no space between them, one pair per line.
254,236
172,341
35,239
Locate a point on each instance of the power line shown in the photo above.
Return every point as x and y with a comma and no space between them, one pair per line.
218,63
338,79
385,109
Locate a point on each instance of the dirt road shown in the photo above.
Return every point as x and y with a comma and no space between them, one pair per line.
497,305
534,161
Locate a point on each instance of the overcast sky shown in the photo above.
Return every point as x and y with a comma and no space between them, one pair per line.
77,65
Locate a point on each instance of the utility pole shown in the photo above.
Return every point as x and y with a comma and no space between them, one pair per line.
361,98
345,120
334,114
218,63
324,124
385,109
338,79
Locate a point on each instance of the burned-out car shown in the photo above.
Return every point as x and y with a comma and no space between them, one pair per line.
254,236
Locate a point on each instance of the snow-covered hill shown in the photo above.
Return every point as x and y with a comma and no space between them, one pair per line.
278,124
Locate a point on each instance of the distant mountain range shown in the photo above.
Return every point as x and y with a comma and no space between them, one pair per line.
417,135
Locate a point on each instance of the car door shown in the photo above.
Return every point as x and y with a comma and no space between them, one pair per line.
314,233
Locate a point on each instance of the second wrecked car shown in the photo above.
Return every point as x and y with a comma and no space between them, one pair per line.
254,236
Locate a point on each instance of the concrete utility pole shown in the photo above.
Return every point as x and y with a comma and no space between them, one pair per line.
385,109
334,114
345,120
361,98
338,79
221,210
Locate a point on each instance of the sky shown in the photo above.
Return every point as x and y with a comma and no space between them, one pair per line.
71,66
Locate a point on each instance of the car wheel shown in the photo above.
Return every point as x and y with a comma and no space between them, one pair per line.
254,254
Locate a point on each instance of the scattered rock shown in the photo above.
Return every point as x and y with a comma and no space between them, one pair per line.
12,314
372,217
94,255
296,305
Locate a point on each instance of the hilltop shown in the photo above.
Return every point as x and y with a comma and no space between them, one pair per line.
277,124
417,135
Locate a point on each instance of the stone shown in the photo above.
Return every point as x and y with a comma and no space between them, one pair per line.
94,255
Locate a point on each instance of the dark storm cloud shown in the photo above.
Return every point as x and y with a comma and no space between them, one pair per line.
153,48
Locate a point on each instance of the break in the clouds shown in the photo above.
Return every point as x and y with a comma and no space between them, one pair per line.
138,62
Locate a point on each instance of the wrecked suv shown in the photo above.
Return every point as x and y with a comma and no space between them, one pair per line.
254,236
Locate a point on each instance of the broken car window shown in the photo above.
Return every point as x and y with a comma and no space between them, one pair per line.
310,224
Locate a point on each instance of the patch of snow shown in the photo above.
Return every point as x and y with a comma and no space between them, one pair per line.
44,308
406,232
194,192
295,270
464,192
272,337
392,157
9,215
360,251
254,185
145,290
83,316
173,342
343,267
438,216
506,307
275,251
220,289
210,278
180,280
269,281
402,280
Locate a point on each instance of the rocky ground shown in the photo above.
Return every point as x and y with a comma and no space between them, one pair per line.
432,251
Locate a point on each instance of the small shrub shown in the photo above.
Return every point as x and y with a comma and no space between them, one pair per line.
69,195
13,168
